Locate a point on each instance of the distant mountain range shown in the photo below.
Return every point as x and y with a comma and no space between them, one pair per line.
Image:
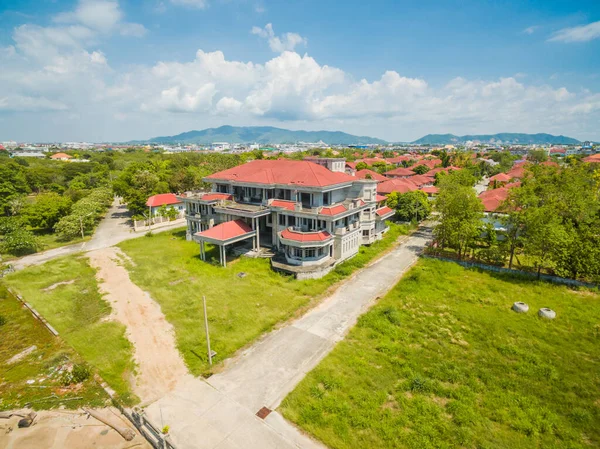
264,135
506,138
271,135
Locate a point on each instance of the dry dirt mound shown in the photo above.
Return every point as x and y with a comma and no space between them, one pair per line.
159,365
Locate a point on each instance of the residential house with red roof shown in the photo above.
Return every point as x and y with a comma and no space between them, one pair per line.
400,172
170,200
312,216
594,159
61,157
370,174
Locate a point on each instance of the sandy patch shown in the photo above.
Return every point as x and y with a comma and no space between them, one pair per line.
159,365
58,284
63,429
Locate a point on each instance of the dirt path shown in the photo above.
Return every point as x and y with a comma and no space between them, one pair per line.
159,365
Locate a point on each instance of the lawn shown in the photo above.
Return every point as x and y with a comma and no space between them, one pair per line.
240,309
19,330
66,293
443,362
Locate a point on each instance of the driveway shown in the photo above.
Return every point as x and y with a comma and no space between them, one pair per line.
114,228
220,412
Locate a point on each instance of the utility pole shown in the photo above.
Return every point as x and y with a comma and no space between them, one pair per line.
210,353
81,227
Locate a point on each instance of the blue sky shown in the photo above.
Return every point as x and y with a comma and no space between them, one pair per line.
107,70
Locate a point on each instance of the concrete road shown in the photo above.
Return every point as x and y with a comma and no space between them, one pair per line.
114,228
220,413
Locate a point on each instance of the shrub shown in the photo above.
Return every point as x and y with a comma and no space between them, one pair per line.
78,374
20,242
2,320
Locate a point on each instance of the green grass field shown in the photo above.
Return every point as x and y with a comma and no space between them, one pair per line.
239,309
19,330
443,362
66,293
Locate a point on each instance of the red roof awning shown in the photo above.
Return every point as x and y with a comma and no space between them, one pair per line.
318,236
226,231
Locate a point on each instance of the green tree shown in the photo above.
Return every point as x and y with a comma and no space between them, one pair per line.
12,184
421,169
460,213
46,209
412,206
445,158
537,156
361,166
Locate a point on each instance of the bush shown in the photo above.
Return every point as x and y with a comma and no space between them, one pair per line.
2,320
79,373
494,256
20,242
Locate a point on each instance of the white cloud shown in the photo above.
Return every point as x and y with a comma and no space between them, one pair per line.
19,103
102,16
582,33
530,30
279,44
133,29
198,4
62,69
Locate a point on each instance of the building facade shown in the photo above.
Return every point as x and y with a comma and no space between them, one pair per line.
310,213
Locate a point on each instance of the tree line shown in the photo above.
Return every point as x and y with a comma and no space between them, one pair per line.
550,223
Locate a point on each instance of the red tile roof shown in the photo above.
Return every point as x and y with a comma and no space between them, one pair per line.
299,173
339,209
399,159
380,198
595,158
400,172
162,199
517,172
492,199
362,174
430,189
216,196
226,231
371,160
384,211
501,177
297,236
61,156
420,180
285,204
396,185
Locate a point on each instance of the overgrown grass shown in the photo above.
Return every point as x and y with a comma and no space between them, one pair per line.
19,330
443,362
240,309
76,309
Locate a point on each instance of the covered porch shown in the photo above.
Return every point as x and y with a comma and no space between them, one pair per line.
227,233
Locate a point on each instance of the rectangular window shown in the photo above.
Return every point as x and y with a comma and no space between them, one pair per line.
281,220
291,220
326,197
310,252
